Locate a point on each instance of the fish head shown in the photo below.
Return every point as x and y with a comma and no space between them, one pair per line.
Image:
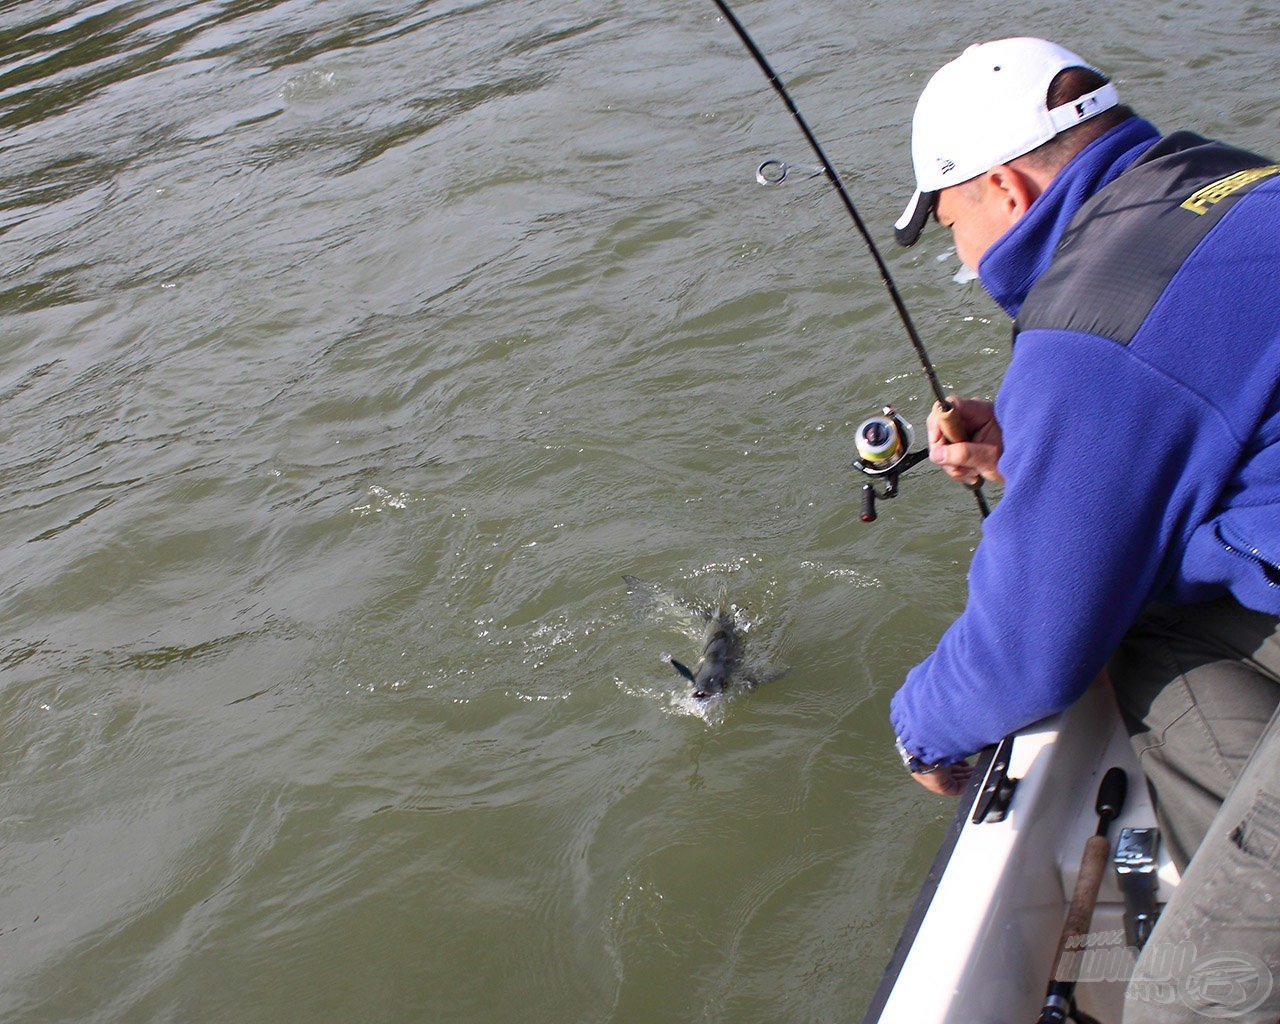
718,652
709,680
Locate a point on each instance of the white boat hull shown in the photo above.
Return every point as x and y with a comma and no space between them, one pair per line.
980,951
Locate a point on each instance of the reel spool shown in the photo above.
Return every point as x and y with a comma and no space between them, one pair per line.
884,451
882,443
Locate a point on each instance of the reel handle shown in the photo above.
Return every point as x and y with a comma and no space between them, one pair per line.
868,511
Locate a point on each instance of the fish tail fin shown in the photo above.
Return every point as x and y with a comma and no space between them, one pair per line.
680,667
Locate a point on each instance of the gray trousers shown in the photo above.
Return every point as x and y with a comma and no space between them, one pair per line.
1199,687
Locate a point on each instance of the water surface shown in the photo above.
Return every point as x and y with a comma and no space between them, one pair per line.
351,355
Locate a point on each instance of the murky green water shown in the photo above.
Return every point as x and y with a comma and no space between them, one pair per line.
350,356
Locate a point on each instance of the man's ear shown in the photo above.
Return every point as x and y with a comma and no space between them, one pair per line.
1012,189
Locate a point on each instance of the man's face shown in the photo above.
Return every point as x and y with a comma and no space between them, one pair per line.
976,214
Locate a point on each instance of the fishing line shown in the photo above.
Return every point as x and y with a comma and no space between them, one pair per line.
827,170
833,176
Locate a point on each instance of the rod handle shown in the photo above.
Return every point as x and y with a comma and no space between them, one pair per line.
1111,794
1092,867
949,420
953,430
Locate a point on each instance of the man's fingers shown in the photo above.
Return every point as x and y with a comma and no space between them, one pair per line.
949,780
966,461
956,459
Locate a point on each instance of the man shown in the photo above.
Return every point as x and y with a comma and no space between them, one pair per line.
1137,431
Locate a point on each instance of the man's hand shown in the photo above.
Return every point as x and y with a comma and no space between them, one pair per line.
975,458
949,780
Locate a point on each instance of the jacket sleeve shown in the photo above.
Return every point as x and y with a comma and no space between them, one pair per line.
1108,466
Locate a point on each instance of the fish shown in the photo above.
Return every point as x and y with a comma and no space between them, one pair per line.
720,651
721,655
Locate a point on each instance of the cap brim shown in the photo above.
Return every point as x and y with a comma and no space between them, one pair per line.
914,217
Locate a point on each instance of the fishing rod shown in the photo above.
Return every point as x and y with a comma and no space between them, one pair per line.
1059,999
883,441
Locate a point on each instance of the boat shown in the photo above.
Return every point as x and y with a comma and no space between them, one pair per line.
982,940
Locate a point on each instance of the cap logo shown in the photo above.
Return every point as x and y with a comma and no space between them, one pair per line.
946,166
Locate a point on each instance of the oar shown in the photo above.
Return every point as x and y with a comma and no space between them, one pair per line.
1059,999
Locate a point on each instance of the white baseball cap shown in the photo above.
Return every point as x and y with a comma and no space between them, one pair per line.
987,107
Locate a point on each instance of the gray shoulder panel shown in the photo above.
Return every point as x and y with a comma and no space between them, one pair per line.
1126,243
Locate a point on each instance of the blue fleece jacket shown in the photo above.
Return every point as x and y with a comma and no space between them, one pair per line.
1134,472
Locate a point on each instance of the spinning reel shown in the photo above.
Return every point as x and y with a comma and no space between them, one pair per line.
883,443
